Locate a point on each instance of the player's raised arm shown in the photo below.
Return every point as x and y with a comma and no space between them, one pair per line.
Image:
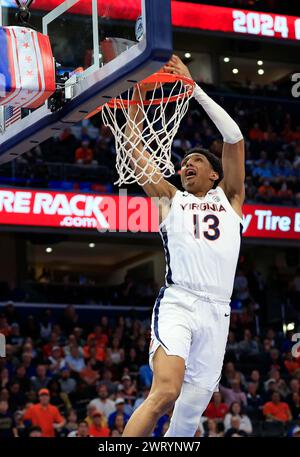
161,187
233,157
234,149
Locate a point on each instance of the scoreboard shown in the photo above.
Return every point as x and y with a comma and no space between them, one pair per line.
266,24
193,16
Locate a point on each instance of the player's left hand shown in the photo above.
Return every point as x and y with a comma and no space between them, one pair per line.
147,87
177,67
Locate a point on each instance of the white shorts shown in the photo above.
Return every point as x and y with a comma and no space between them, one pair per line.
195,328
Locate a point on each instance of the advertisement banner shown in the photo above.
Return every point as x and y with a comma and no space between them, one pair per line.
195,16
123,213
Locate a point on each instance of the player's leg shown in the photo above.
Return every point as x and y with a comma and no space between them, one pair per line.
189,407
169,350
204,365
168,374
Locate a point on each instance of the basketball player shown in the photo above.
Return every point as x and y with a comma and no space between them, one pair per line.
201,232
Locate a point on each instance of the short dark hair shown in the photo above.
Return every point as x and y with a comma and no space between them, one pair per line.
236,403
85,422
213,160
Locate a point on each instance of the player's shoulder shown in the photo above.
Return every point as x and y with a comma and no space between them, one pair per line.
217,195
182,197
177,196
217,191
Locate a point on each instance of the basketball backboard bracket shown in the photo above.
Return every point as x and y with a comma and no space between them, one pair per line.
99,84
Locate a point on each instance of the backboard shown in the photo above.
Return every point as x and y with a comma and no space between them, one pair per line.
114,42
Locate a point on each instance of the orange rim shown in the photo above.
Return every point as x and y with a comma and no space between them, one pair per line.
164,77
160,78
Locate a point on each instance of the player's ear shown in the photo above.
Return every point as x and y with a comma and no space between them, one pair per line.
214,176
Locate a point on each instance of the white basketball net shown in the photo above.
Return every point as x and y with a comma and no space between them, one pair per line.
153,128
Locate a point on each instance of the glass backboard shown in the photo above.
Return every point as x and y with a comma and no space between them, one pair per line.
101,47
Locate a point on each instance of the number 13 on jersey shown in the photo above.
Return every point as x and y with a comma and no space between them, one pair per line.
207,227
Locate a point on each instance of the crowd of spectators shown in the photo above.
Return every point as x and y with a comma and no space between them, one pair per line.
53,287
262,293
82,158
60,379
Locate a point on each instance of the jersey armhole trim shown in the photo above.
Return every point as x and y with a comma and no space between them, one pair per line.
231,207
163,222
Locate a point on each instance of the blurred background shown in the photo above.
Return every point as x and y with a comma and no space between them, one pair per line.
75,305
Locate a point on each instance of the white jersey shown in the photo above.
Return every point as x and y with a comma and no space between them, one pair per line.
202,238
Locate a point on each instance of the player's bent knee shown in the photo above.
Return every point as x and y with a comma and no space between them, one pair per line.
164,398
170,395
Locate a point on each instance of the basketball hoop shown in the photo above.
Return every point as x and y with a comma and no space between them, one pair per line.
154,126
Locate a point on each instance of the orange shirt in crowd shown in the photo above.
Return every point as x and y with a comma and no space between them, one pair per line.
47,350
100,352
84,154
280,411
256,134
216,412
292,365
266,191
290,135
101,339
98,432
285,193
89,375
44,417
